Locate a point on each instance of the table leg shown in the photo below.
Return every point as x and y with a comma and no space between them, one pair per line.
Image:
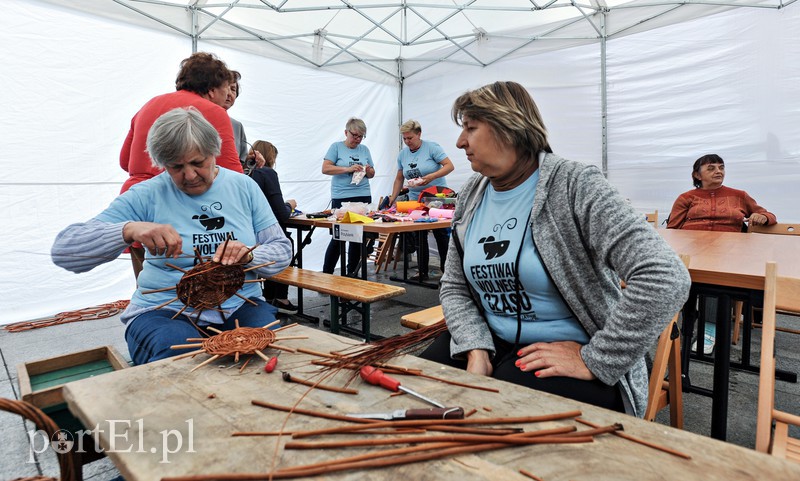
297,261
423,236
719,404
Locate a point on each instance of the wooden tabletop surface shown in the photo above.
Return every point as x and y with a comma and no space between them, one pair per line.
386,227
735,259
164,400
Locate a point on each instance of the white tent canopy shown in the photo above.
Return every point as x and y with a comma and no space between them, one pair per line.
396,40
650,86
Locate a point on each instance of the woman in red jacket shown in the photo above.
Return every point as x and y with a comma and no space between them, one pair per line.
203,82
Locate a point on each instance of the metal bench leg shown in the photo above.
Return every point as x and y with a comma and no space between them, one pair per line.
334,315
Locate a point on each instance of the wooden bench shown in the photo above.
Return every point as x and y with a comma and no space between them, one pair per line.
424,318
347,294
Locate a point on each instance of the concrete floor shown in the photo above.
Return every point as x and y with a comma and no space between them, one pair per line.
18,348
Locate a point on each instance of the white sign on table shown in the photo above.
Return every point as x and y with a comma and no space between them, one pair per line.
348,232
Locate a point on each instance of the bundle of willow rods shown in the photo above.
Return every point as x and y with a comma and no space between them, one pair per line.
89,313
379,352
427,448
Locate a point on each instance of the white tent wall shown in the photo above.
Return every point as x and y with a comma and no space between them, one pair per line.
725,84
564,84
73,81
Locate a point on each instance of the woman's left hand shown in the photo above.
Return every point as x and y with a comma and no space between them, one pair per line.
758,219
369,171
549,359
235,253
424,180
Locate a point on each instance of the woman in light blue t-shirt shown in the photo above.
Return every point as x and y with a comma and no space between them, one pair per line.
193,208
343,161
422,164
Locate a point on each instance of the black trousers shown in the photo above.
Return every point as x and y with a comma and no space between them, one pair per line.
442,238
353,248
591,392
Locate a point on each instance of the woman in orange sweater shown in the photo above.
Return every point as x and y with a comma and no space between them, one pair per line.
712,206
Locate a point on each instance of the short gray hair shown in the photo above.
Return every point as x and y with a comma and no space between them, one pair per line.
177,133
358,125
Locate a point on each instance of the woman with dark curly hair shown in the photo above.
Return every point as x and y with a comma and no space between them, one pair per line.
203,82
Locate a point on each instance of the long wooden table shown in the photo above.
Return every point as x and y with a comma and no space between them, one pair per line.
386,228
726,264
139,408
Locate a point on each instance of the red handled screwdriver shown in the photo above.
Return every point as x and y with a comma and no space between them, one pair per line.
270,366
377,377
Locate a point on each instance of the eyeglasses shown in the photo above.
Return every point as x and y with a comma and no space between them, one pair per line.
355,135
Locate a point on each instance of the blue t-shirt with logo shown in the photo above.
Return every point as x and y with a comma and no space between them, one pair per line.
498,232
233,206
425,160
343,156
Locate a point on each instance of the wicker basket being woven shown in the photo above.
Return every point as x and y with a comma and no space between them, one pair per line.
71,470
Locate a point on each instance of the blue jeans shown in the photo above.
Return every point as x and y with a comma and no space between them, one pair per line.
150,335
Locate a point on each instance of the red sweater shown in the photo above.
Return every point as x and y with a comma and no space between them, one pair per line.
722,209
134,158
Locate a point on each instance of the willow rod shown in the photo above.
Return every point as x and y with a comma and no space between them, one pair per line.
530,475
639,440
337,417
316,385
283,433
453,438
308,412
427,422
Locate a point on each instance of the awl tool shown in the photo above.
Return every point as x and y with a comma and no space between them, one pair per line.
432,413
377,377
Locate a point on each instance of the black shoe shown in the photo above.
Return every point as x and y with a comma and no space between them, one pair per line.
287,308
418,277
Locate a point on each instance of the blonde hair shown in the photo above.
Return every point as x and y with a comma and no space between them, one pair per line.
411,126
510,112
269,151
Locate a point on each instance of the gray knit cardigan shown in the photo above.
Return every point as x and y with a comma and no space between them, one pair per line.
589,238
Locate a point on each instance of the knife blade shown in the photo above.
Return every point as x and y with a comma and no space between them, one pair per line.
432,413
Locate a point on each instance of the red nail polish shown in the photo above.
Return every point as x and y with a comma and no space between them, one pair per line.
519,353
536,373
522,367
517,362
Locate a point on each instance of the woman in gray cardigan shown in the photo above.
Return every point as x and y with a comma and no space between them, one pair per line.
532,294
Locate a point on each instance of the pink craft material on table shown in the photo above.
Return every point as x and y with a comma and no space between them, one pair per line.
441,213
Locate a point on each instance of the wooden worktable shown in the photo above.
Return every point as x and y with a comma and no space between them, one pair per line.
145,401
725,264
735,259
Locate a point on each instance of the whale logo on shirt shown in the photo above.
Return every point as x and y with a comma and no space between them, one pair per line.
211,223
494,248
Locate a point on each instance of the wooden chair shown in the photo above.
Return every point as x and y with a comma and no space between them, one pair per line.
775,229
652,218
779,229
779,293
665,390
